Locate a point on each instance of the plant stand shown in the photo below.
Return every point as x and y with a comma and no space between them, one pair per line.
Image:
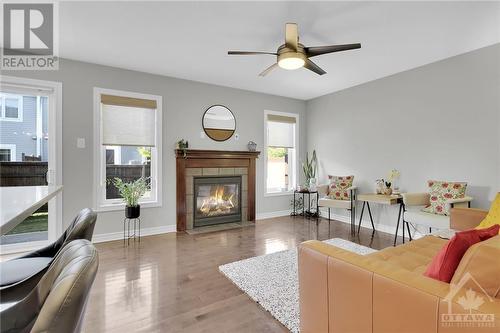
306,213
136,232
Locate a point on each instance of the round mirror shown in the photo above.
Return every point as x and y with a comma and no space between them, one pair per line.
219,123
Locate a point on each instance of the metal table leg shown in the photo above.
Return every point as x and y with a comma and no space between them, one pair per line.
397,225
361,217
370,213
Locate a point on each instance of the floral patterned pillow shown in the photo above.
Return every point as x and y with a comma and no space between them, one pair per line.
338,189
440,192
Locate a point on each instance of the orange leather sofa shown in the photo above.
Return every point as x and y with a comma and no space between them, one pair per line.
386,291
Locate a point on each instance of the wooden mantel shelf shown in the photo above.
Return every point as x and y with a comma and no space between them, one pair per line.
198,158
200,153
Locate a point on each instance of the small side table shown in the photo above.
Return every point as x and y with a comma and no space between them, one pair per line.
136,232
394,199
306,213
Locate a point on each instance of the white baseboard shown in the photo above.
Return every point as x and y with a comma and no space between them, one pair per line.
364,223
99,238
269,215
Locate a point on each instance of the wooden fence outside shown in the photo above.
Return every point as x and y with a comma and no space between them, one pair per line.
33,174
23,173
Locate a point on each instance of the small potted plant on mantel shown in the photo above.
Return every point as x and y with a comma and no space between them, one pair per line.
131,192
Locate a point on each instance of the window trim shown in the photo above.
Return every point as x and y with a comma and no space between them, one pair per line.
12,148
53,90
295,177
19,98
100,203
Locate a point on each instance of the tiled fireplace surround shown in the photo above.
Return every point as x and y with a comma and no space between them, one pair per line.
194,172
194,163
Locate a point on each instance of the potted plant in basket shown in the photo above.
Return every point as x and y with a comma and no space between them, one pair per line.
131,192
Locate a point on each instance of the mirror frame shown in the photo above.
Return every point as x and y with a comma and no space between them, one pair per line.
203,126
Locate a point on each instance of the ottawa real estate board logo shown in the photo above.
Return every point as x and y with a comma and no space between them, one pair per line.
470,312
30,39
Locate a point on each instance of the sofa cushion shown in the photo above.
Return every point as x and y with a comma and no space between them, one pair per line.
481,261
339,187
493,216
413,256
446,261
441,192
427,219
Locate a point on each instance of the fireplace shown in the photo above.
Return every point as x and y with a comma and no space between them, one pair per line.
217,199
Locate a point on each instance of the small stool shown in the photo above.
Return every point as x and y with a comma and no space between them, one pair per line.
137,230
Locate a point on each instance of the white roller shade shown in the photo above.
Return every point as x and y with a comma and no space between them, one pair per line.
280,134
128,126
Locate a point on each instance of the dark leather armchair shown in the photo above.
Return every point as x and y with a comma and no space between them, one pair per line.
21,274
57,302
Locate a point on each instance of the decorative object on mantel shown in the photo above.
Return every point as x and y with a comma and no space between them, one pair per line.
252,146
309,167
218,123
182,145
131,192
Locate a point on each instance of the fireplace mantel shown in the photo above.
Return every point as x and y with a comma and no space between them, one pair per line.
197,158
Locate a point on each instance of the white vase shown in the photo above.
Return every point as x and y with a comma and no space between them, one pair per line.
312,185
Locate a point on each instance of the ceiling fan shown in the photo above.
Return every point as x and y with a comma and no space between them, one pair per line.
293,55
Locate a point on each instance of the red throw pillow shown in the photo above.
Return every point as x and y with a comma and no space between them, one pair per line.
446,261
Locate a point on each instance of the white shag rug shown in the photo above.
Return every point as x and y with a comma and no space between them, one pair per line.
272,280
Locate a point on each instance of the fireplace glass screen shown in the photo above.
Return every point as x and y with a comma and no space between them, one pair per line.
217,200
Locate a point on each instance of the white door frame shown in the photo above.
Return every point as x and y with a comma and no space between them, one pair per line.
53,90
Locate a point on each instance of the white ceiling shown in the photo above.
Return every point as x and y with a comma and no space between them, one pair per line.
190,40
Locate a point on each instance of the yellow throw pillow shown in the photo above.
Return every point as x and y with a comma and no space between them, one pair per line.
493,216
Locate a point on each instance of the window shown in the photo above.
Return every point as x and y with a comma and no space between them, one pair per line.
7,153
127,145
281,152
11,107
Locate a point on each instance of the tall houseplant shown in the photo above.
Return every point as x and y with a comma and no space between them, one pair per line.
309,167
131,192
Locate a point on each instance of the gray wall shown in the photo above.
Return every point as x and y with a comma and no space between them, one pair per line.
440,121
183,105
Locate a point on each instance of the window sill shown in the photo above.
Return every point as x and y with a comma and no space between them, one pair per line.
15,120
278,194
121,206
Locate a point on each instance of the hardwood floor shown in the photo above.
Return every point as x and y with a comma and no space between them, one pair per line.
171,282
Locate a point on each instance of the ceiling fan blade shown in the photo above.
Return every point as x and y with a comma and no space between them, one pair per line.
249,53
319,50
268,69
313,67
292,36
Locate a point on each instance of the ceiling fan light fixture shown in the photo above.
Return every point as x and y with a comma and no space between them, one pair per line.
291,61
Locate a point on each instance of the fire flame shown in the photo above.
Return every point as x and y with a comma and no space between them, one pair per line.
217,203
